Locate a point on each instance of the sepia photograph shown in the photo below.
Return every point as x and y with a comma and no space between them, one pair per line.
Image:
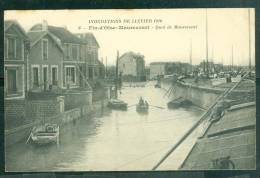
129,90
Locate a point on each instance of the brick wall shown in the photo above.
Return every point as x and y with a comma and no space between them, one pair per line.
75,100
42,109
14,112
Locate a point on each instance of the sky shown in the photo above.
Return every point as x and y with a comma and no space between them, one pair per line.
227,28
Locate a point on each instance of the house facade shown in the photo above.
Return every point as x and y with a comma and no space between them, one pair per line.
132,66
45,64
15,60
74,67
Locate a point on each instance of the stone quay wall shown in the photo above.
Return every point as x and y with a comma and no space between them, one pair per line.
203,96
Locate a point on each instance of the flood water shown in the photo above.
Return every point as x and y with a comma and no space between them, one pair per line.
113,140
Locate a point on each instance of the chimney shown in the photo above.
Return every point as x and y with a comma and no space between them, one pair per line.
44,25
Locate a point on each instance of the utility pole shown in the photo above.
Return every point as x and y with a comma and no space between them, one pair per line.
106,68
116,80
232,58
207,62
249,41
191,54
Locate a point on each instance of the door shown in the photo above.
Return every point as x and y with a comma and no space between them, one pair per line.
80,76
54,76
45,77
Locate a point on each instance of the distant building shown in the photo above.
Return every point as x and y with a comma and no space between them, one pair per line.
15,59
132,66
157,69
101,70
168,68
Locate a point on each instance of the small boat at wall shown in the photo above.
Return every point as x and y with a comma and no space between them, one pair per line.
142,108
178,102
117,104
157,85
45,134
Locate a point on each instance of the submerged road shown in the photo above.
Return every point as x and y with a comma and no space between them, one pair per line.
113,140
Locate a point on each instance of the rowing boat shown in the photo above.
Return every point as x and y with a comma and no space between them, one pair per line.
142,108
45,134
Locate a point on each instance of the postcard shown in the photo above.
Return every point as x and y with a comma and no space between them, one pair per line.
129,90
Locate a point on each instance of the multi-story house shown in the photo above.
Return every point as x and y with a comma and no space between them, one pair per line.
132,66
45,62
15,57
73,71
16,46
91,50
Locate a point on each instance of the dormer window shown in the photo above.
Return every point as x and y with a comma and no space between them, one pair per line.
44,49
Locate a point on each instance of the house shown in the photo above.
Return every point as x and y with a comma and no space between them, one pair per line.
132,66
16,47
168,68
92,48
74,72
45,64
15,60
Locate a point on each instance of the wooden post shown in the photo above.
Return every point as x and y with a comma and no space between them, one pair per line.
116,81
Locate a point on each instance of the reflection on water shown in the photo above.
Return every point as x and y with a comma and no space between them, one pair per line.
114,140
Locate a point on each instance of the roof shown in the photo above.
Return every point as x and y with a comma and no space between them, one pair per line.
88,38
131,53
60,32
232,136
9,23
34,37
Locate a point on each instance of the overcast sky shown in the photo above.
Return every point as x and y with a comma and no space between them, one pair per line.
226,28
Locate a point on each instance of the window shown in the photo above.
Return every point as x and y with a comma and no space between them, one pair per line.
45,76
54,74
35,76
45,49
75,51
23,50
70,75
11,48
67,51
11,81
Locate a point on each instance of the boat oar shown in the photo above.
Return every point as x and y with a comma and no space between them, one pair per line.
157,106
29,137
131,105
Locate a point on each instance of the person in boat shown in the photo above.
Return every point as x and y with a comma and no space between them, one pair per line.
141,101
146,103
